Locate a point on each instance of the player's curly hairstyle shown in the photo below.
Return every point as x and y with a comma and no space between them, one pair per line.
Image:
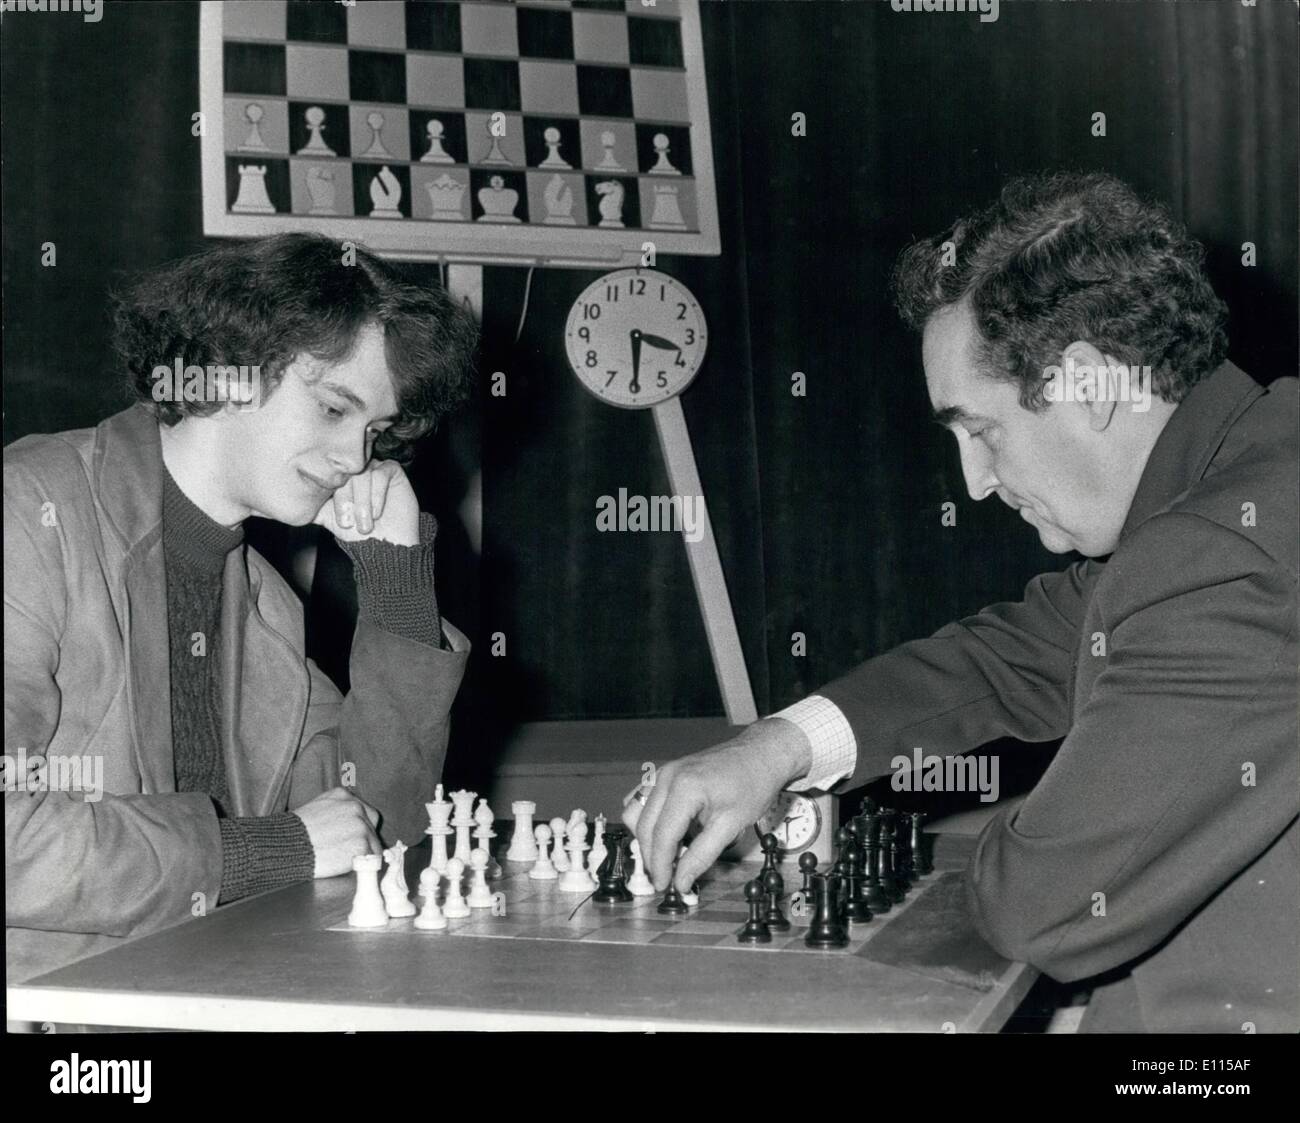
265,302
1066,257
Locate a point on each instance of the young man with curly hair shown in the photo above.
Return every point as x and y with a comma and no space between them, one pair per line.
1075,349
145,639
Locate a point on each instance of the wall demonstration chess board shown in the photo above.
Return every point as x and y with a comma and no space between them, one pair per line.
565,132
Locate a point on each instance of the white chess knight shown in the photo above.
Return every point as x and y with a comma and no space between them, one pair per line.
320,186
454,908
559,857
523,845
394,889
385,194
480,895
611,202
639,884
576,879
543,870
368,902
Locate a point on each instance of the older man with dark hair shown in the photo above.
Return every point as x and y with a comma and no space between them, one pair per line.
144,636
1075,349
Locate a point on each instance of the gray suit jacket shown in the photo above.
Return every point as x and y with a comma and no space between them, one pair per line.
87,676
1163,843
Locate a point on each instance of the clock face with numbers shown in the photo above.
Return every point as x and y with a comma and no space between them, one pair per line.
635,338
795,819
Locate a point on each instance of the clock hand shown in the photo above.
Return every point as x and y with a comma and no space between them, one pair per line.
636,337
659,341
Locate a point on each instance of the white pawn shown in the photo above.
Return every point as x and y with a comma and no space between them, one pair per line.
576,879
542,869
639,885
393,887
430,881
454,908
559,857
430,918
480,896
368,904
598,849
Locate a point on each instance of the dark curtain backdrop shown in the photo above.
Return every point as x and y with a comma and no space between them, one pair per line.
826,507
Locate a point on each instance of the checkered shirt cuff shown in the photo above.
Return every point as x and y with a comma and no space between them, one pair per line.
834,748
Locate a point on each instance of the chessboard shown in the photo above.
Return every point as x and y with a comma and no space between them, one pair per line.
916,935
568,132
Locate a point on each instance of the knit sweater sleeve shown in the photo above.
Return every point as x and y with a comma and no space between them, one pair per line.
263,853
395,584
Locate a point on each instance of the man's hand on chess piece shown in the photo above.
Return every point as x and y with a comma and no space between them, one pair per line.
725,789
341,827
378,502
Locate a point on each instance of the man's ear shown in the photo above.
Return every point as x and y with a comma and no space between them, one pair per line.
1089,383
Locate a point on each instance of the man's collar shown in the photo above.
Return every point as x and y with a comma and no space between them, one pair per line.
127,472
1190,439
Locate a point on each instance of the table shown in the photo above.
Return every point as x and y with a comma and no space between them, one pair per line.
269,963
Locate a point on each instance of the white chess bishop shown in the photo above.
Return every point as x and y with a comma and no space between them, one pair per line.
385,194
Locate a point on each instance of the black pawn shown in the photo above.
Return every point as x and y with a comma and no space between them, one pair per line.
903,860
888,883
921,864
672,904
826,930
873,892
770,846
808,867
856,907
774,885
755,930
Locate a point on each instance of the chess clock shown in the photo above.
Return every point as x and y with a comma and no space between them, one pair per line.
635,338
801,822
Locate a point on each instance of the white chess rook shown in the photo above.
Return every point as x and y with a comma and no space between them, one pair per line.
368,903
523,846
